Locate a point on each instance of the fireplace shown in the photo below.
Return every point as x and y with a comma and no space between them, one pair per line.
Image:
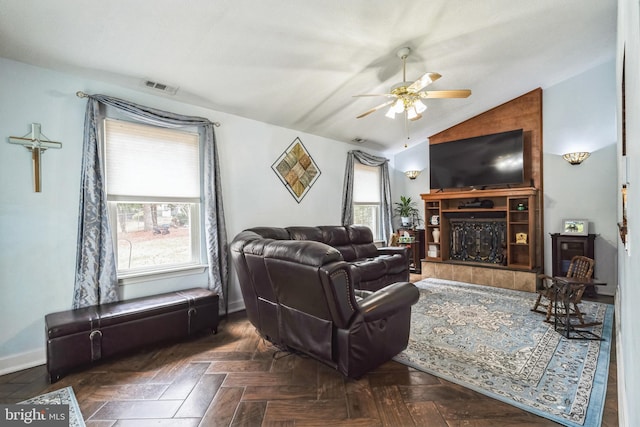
474,239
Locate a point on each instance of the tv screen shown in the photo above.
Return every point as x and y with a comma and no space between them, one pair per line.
482,161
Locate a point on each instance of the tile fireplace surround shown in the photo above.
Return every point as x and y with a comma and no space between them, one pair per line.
480,275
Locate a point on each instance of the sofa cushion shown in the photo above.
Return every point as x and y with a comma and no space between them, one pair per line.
302,251
359,234
369,268
395,263
271,232
338,237
365,250
305,233
361,239
335,235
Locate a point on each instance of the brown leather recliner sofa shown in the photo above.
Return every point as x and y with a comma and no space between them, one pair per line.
373,268
303,294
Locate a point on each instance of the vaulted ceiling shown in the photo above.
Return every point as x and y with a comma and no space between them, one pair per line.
297,64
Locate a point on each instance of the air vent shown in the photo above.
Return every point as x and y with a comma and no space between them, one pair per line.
171,90
359,140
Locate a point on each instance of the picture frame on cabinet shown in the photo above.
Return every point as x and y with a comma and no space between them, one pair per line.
575,227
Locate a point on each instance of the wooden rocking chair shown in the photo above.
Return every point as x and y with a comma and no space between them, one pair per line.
581,267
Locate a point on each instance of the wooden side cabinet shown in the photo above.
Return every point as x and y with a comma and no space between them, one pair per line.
416,248
565,247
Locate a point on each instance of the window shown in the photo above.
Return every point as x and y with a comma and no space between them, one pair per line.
366,197
153,194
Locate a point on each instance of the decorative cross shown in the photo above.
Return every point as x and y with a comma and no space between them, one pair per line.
37,143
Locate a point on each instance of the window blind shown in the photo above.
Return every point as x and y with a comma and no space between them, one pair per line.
144,161
366,183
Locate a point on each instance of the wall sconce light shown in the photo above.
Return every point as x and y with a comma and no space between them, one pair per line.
576,158
412,174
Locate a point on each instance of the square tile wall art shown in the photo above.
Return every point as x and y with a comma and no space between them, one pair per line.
296,169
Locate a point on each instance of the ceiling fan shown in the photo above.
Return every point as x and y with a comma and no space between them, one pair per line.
407,96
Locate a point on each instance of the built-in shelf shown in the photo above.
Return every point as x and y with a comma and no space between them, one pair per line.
516,206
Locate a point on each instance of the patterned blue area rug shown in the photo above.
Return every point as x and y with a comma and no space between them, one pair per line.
64,396
488,340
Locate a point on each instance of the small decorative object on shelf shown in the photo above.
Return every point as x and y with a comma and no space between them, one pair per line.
435,220
436,235
521,238
576,227
413,239
521,207
433,251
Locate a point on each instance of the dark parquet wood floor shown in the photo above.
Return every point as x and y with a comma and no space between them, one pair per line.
235,378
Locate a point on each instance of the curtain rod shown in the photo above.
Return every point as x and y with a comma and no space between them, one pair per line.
81,94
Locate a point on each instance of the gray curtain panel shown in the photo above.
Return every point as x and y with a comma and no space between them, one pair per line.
96,281
385,190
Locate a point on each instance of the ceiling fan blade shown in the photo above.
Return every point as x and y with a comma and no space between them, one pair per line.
426,79
374,109
388,95
459,93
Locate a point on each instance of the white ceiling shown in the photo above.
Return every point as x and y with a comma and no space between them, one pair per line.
298,64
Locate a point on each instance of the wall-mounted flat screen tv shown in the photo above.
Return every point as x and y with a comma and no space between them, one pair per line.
483,161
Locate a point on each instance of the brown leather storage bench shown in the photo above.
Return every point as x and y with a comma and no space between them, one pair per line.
82,336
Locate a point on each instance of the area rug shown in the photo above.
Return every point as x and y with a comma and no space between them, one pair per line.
488,340
64,396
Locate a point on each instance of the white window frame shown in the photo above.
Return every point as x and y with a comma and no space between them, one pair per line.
197,238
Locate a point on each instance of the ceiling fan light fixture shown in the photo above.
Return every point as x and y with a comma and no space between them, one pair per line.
391,113
405,96
412,114
419,106
398,106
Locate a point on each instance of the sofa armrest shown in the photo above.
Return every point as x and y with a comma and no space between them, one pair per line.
392,250
388,300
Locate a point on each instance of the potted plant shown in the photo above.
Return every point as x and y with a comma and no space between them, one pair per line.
407,211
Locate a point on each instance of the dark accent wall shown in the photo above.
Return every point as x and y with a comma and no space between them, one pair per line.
524,112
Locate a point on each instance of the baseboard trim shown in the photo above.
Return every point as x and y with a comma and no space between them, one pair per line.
26,360
622,396
236,306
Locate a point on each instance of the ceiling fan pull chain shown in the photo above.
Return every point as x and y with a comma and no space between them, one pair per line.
406,127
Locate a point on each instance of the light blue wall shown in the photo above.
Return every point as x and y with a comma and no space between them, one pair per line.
415,157
587,191
38,230
578,114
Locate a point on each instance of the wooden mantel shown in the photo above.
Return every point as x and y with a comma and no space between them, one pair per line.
480,194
